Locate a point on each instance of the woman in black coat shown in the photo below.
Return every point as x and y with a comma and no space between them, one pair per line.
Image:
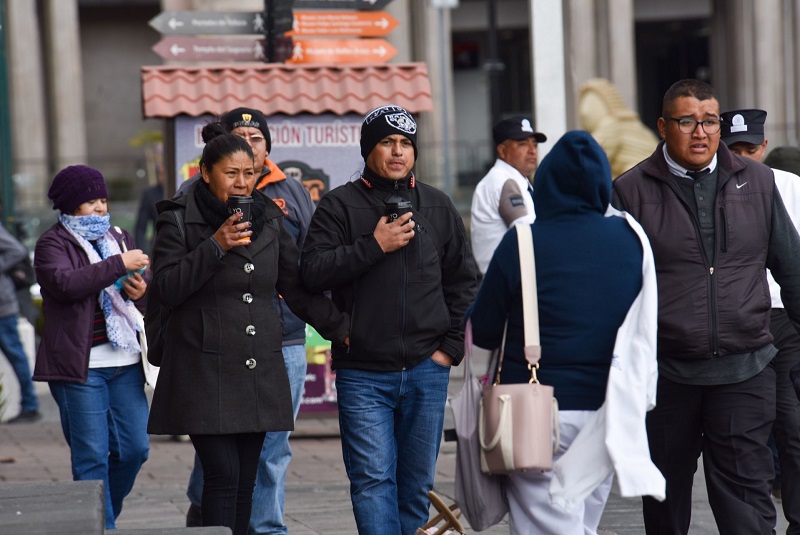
223,380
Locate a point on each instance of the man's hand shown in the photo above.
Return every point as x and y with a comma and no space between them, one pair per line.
440,357
395,235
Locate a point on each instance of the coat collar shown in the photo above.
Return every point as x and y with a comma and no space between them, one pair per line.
198,229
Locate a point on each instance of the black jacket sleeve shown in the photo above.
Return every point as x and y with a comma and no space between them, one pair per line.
329,260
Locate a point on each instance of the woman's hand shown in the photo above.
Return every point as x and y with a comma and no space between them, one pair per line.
135,259
135,286
232,233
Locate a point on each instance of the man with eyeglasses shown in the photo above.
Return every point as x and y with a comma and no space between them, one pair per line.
715,222
293,198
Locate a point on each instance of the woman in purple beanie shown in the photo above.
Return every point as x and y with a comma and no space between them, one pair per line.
89,354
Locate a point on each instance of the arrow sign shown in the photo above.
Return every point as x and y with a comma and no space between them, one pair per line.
366,5
211,48
341,51
208,22
342,23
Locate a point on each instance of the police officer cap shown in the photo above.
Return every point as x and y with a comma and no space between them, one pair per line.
743,126
515,128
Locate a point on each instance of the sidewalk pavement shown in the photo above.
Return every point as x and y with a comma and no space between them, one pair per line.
317,496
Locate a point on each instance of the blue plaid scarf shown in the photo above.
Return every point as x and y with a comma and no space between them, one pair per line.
118,312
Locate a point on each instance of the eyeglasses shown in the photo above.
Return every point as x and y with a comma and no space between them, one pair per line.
255,139
687,125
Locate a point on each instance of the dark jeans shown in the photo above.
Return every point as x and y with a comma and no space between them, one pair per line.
729,425
229,475
787,418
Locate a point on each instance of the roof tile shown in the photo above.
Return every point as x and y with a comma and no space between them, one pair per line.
171,90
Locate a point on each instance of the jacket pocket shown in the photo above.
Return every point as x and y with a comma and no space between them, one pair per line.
211,330
423,256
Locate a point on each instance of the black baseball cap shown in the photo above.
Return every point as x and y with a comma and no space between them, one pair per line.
743,126
515,128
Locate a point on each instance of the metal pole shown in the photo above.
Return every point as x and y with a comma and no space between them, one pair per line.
7,202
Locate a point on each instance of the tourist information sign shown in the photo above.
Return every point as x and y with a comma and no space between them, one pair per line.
180,48
341,51
342,23
208,22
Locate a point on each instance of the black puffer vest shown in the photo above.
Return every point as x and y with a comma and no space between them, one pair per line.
706,310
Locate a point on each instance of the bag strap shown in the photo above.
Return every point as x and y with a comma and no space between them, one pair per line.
530,303
181,225
122,239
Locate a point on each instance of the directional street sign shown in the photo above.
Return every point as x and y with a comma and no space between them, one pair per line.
342,23
208,22
341,51
211,48
341,4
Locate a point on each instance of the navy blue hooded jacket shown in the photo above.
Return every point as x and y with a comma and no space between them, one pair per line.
588,271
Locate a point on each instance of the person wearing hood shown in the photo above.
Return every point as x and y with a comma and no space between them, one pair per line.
595,277
406,282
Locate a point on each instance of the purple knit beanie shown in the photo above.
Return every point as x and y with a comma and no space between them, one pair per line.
75,185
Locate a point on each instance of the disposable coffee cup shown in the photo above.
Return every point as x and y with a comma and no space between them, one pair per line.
395,207
240,204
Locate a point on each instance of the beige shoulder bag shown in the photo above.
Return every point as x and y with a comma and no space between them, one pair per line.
519,422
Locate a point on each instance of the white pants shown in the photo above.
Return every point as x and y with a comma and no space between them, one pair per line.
530,510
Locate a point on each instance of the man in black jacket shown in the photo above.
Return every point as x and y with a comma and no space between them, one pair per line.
715,222
407,283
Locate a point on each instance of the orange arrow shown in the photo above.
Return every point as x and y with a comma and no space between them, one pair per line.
342,23
341,51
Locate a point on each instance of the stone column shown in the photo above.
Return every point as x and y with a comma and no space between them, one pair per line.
622,49
581,40
549,70
601,44
400,38
28,111
430,47
748,60
68,127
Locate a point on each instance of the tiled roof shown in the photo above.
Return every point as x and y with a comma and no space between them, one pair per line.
168,91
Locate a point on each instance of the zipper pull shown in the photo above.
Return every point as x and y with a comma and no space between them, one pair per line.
711,270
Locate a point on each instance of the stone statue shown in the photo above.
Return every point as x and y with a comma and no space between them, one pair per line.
616,127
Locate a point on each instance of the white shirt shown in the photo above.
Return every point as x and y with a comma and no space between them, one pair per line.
788,185
487,226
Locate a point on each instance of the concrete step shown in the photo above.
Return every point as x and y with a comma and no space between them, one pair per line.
52,508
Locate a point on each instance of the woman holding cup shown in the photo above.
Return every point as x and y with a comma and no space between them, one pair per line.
223,380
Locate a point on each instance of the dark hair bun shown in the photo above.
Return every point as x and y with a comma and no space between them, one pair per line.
212,130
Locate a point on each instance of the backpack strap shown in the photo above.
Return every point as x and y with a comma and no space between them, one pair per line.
180,223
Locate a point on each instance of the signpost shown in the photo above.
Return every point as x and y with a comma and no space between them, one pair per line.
208,22
341,51
178,48
366,5
343,23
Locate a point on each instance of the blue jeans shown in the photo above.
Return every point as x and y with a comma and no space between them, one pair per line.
268,498
391,426
105,424
267,514
11,346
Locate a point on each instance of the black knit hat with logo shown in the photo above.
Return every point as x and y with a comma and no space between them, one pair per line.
248,117
386,121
